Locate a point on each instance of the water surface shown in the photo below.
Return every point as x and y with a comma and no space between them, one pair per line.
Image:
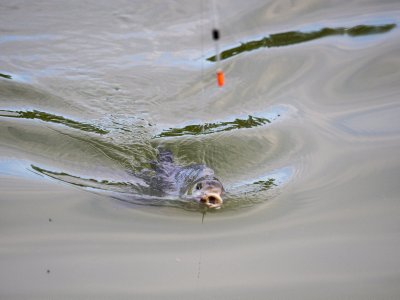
304,135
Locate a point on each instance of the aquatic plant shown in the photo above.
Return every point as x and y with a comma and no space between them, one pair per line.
208,128
296,37
51,118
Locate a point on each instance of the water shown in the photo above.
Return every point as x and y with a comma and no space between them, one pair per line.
304,136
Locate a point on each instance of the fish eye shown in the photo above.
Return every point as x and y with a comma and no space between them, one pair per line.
199,186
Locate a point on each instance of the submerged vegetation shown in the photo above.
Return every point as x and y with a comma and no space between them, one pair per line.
208,128
265,184
245,195
105,185
47,117
5,76
296,37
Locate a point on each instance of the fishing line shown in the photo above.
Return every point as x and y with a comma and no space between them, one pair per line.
202,45
204,214
201,250
216,35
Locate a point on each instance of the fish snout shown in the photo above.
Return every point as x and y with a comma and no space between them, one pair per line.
212,200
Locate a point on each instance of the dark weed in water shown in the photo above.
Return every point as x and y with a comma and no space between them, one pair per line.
296,37
51,118
5,76
209,128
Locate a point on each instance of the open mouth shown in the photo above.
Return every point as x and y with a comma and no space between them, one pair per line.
212,200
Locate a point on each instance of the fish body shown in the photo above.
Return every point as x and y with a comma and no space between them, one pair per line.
193,182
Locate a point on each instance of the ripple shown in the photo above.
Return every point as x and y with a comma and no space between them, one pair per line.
260,119
378,122
209,128
297,37
136,191
26,38
51,118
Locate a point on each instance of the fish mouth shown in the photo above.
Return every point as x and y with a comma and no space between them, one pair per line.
212,200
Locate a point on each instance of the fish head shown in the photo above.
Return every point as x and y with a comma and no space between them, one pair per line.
208,192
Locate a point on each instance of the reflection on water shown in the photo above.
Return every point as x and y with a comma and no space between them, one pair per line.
311,206
5,76
368,29
266,184
76,180
46,117
296,37
140,193
208,128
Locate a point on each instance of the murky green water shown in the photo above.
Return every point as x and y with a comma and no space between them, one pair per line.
304,135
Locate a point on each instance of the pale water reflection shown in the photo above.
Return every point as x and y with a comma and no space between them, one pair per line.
305,137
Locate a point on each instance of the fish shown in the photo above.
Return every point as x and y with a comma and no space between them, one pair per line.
195,182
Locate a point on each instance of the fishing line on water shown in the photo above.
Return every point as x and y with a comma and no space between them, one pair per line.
202,45
216,35
220,81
